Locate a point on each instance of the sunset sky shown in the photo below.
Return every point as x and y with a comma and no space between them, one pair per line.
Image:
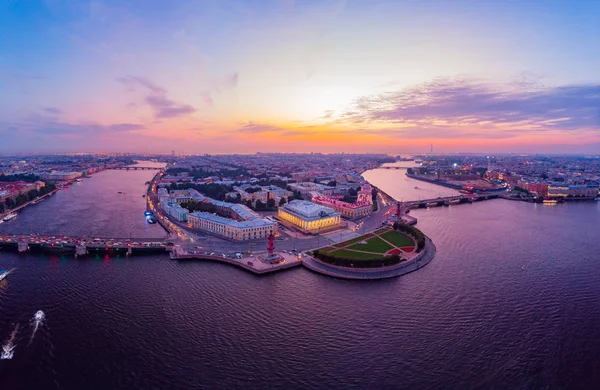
241,76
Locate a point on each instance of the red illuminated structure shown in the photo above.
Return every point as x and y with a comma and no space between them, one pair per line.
271,243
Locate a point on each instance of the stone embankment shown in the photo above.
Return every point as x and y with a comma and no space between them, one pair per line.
422,259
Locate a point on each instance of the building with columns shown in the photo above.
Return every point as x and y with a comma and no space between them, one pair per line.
309,216
230,228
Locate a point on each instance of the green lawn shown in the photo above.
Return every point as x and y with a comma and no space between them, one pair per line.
354,255
374,244
357,239
385,229
398,239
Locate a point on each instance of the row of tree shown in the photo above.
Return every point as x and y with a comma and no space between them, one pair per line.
356,263
21,199
413,231
28,178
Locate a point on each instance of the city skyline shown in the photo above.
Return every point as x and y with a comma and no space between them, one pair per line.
291,76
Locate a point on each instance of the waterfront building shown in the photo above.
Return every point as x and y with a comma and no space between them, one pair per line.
62,176
235,211
564,190
175,211
305,188
257,228
309,216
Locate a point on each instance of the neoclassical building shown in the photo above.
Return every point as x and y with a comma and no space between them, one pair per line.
308,216
257,228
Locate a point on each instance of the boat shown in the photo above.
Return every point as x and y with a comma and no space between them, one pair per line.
152,220
9,217
39,315
79,180
143,196
9,348
416,188
550,201
4,273
120,192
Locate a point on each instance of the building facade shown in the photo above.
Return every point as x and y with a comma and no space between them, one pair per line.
257,228
309,216
175,211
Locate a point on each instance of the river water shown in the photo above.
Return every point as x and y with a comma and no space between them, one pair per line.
510,301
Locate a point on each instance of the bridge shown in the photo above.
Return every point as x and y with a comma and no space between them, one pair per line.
135,168
448,200
80,246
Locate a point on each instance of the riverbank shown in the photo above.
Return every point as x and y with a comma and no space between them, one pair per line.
31,202
419,261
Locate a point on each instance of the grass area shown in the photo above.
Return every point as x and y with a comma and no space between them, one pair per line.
355,255
398,239
382,230
357,239
374,244
328,249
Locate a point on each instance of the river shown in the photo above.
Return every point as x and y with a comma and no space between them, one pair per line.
510,301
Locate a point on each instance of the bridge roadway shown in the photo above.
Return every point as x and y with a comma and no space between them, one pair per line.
82,245
134,168
446,201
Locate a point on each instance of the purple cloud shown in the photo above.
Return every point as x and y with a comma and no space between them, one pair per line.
255,128
53,110
484,105
207,97
157,99
166,108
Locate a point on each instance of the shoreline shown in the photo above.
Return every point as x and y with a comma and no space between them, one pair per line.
348,273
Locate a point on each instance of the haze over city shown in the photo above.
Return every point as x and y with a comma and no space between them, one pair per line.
380,76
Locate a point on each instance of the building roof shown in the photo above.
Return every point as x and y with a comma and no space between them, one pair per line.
257,222
308,210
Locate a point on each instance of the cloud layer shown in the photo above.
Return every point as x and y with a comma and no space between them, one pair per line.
162,106
446,107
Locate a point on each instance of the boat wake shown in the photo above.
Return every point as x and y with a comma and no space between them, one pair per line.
38,318
8,349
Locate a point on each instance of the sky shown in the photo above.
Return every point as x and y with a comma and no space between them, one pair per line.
245,76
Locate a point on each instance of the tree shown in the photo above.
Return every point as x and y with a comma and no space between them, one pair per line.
270,203
260,205
32,194
290,198
332,183
282,201
1,207
352,192
9,203
348,199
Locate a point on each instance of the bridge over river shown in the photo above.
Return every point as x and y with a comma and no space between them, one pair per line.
82,245
448,200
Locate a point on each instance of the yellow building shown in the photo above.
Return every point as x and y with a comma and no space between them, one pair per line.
308,216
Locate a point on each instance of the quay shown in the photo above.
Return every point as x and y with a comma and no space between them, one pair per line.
36,200
254,263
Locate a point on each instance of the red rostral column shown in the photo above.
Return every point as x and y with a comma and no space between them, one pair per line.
398,210
271,243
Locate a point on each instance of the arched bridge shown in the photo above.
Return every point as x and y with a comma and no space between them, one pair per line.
448,200
134,168
83,245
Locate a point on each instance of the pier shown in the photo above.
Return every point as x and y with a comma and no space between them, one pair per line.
255,263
